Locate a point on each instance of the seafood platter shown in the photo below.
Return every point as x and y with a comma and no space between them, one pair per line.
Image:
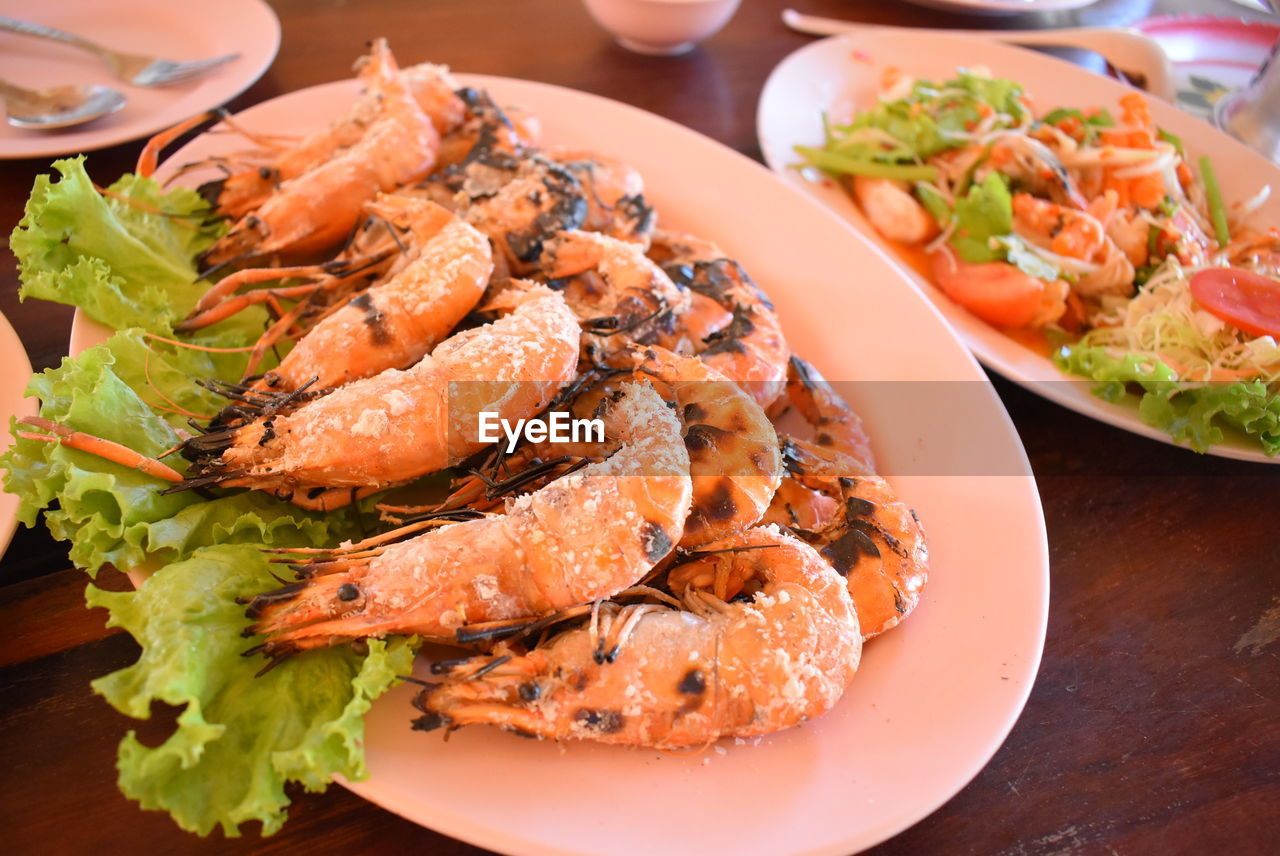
314,408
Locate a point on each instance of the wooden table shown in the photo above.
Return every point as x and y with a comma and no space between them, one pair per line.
1153,725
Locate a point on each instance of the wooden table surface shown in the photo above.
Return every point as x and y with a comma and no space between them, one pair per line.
1153,725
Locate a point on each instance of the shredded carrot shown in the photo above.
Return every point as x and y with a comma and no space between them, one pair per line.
1184,174
1136,111
1147,190
1001,155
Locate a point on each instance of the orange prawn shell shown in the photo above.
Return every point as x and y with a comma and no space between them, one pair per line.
320,206
584,537
684,679
733,448
398,425
394,323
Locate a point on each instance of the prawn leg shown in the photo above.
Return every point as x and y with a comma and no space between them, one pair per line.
149,158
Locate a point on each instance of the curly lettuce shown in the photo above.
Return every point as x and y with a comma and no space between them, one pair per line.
1191,413
126,257
239,738
135,392
895,138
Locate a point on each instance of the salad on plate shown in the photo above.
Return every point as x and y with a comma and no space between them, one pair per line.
1086,233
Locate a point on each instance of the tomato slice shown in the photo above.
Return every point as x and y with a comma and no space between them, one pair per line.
1242,298
997,292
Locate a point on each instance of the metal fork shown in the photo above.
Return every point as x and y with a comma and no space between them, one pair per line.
138,69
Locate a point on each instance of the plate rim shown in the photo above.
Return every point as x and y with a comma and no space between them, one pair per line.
453,825
15,357
1004,7
972,331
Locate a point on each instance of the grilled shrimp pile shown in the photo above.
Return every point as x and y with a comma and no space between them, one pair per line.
693,575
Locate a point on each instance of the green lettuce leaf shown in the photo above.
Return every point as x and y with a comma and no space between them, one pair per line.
239,738
985,212
126,265
932,118
115,514
1189,413
934,202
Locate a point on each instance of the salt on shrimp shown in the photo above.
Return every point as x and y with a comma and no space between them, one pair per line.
782,652
750,349
584,537
615,195
619,293
734,460
435,281
431,86
833,500
319,207
397,425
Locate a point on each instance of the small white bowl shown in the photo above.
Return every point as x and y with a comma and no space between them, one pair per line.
661,27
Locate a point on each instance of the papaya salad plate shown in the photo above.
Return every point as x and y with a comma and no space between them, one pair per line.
1091,243
931,701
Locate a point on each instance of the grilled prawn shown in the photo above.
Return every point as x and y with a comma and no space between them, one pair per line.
244,190
734,459
319,207
438,275
732,325
620,295
832,499
397,425
584,537
767,638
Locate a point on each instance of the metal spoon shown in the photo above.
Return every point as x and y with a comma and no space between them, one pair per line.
58,106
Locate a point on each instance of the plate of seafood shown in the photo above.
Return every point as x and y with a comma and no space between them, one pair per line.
775,579
177,31
1100,247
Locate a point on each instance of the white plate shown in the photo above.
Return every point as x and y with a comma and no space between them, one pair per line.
1003,7
839,76
13,382
173,30
934,698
